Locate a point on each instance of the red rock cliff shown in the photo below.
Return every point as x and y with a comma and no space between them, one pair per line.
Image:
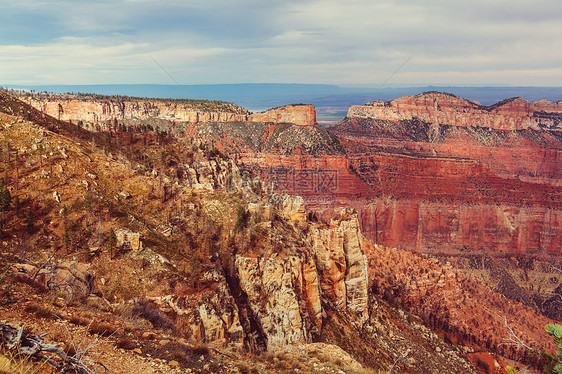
451,176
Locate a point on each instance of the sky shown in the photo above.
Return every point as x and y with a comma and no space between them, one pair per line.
352,42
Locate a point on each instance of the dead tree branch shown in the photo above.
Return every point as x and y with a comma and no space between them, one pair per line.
513,340
28,345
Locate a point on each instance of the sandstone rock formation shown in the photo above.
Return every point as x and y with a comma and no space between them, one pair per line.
290,207
109,113
479,179
286,293
129,239
107,110
271,285
299,114
209,316
342,265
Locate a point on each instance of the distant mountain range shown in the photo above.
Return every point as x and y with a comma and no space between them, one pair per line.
331,101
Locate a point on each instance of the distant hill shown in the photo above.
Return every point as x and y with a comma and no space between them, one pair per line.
331,101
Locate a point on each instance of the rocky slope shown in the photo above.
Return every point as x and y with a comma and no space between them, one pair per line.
238,138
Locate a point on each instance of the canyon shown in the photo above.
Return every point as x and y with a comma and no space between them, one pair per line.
432,173
268,245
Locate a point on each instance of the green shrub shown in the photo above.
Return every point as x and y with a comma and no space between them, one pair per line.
555,330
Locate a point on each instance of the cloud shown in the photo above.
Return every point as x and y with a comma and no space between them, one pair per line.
70,61
312,41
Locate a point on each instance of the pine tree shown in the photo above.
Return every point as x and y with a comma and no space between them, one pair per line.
111,242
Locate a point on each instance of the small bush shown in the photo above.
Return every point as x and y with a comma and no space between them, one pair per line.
128,327
267,357
483,365
242,218
180,355
243,368
144,309
214,152
21,278
125,342
69,348
80,321
40,311
200,350
7,296
282,365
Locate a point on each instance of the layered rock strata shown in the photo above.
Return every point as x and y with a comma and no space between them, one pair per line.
437,108
107,110
101,113
299,114
447,175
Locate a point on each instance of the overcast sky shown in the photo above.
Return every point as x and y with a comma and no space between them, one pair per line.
481,42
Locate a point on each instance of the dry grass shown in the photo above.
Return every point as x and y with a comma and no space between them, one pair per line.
40,310
200,350
245,368
180,355
372,371
13,364
78,320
